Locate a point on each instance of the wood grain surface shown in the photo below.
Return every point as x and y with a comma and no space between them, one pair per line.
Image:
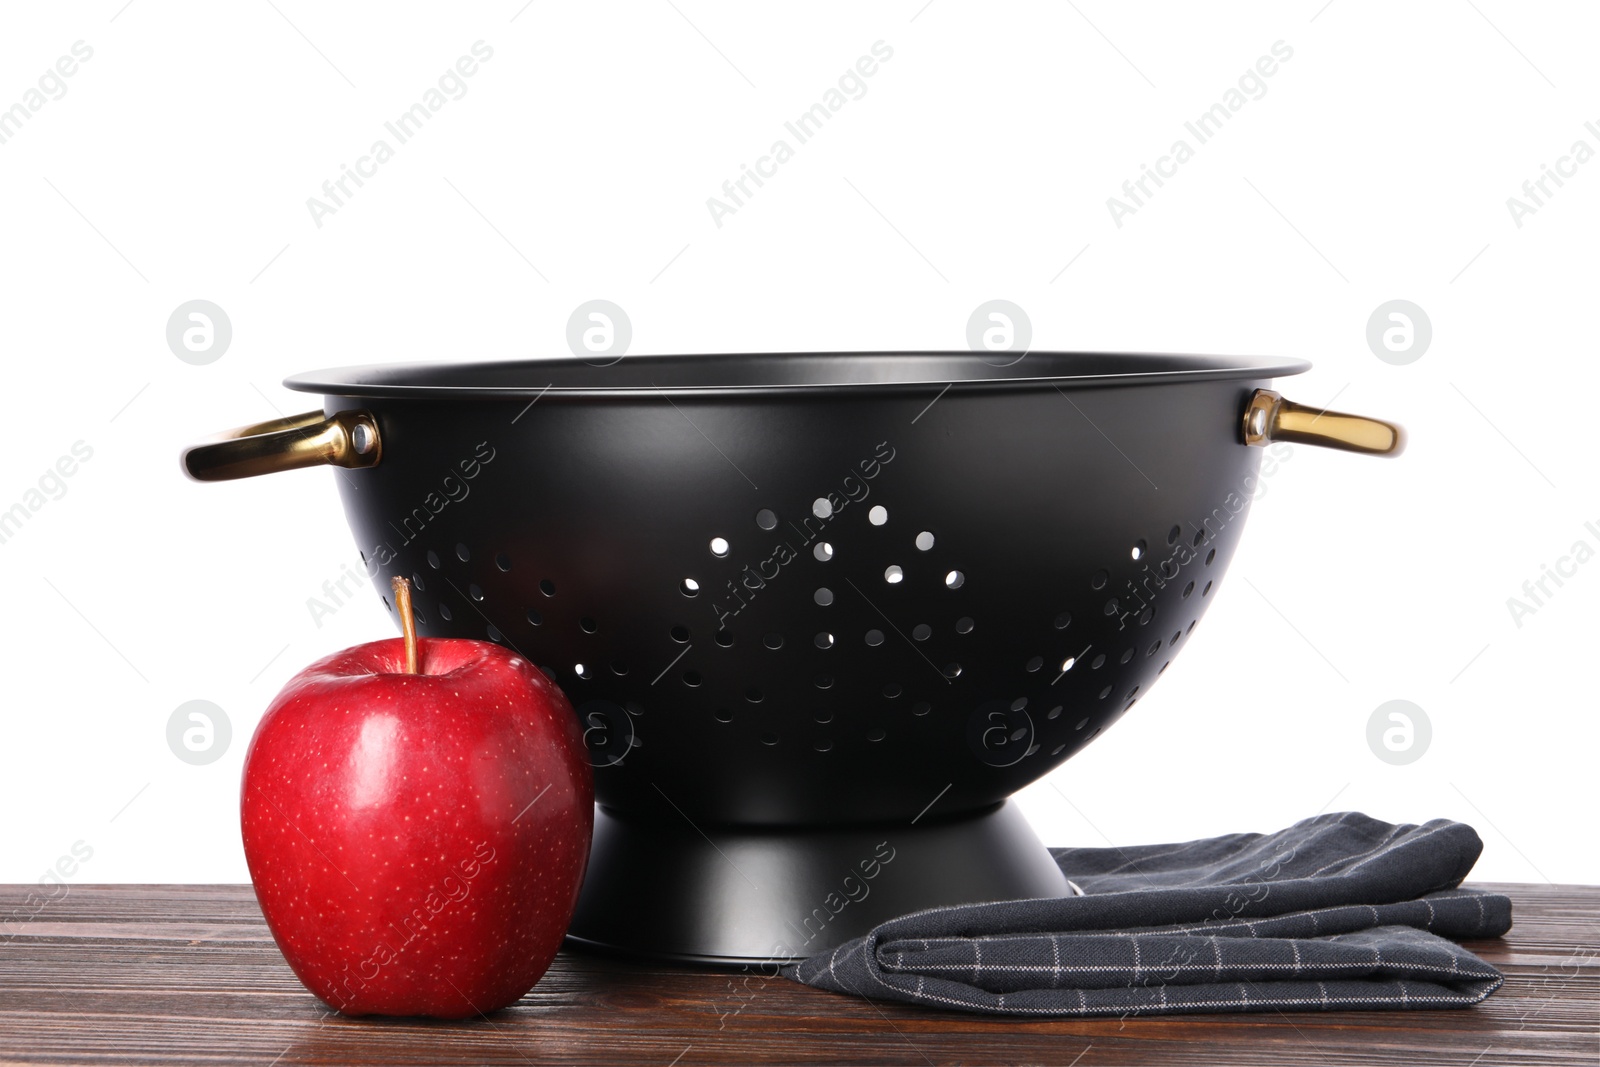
168,974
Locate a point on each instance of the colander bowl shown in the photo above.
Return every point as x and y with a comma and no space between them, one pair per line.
807,604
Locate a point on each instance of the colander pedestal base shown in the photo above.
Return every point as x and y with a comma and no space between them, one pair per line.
744,895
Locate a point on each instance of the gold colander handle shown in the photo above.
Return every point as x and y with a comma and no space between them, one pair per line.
1269,417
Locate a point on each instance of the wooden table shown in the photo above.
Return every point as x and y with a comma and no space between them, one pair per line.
189,974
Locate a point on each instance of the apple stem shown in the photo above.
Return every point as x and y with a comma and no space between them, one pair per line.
408,625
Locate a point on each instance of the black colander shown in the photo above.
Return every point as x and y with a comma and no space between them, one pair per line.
807,605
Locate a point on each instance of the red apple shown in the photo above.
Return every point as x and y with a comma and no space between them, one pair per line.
417,817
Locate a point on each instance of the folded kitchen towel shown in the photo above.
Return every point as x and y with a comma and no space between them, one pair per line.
1337,912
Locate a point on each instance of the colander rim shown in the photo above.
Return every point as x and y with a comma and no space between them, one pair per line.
785,373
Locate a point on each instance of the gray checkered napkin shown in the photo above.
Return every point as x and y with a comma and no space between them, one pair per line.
1336,912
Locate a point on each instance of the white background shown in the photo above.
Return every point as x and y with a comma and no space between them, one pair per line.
1377,166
